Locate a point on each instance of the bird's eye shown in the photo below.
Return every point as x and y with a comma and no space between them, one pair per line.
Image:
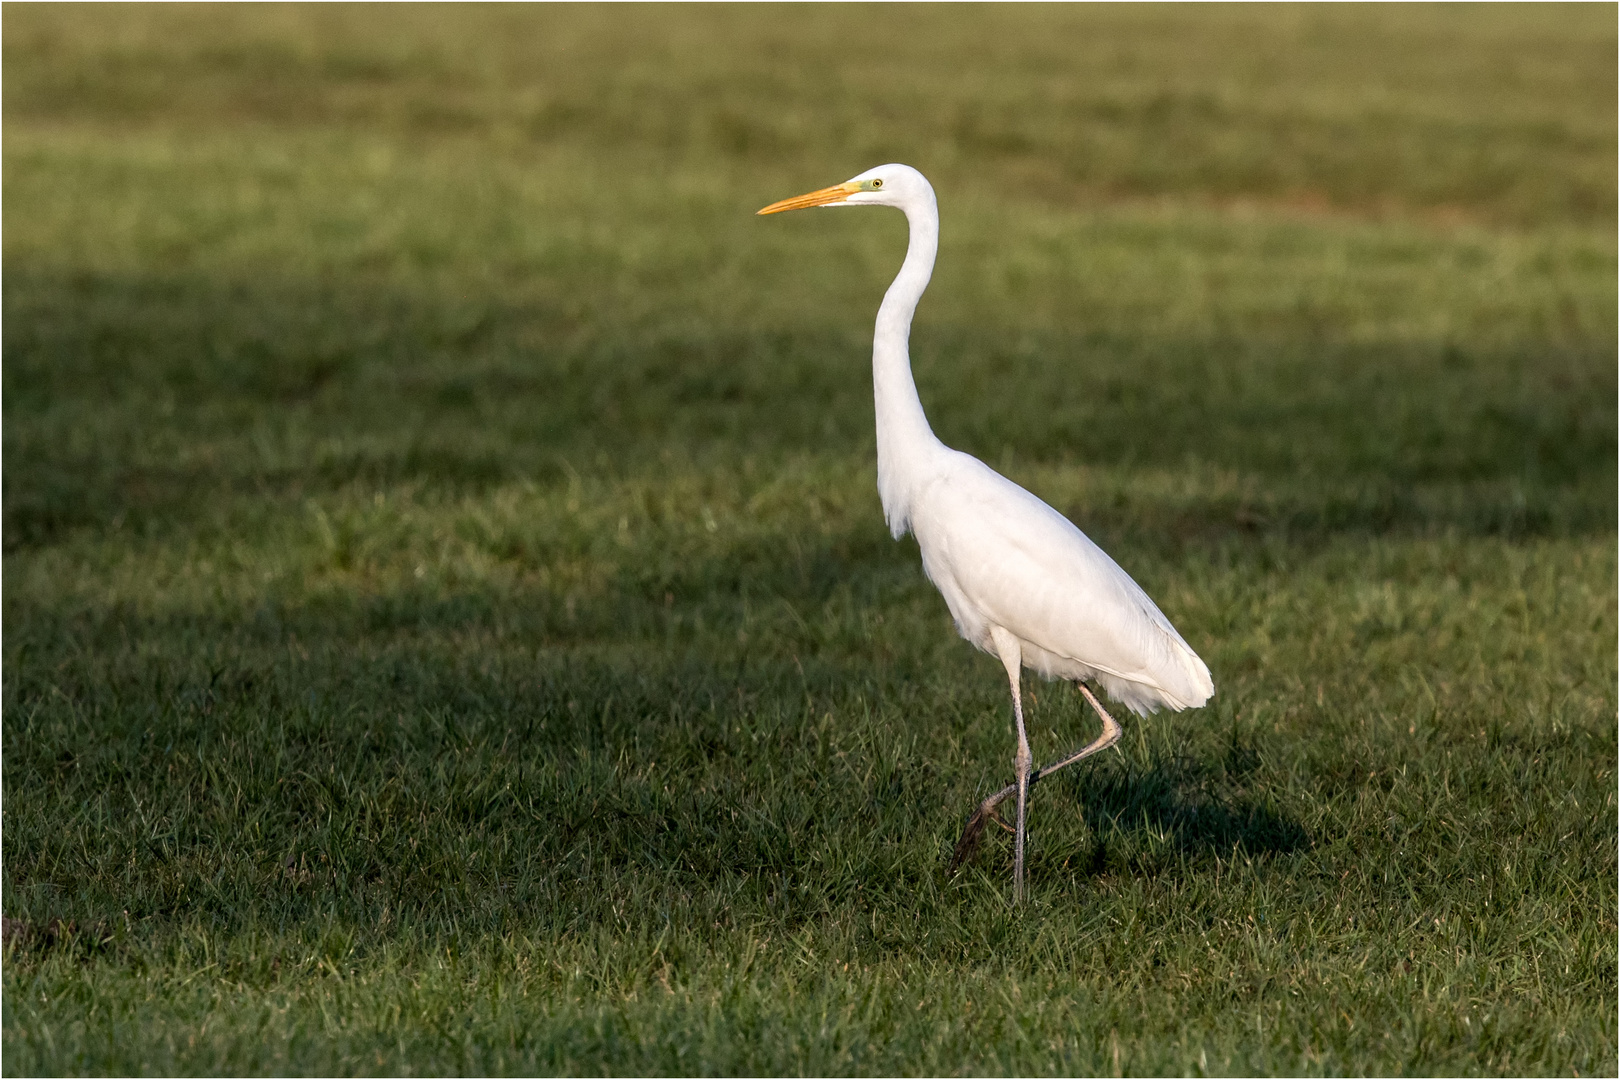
877,183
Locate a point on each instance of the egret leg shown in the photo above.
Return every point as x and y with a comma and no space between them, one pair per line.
987,811
1022,761
1012,659
1110,735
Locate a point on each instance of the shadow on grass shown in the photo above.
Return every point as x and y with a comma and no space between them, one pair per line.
1180,800
1176,807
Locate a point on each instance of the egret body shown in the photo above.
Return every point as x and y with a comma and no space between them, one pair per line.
1021,581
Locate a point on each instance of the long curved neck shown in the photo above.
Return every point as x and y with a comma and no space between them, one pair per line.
905,442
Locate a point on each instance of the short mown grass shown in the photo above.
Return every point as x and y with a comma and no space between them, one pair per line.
449,624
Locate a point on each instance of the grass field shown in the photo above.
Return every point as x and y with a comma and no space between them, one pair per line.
449,624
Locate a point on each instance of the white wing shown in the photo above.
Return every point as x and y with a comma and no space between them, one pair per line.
1003,557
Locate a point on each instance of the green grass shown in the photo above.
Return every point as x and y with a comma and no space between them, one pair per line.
449,624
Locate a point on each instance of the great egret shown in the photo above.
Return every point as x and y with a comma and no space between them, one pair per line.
1021,581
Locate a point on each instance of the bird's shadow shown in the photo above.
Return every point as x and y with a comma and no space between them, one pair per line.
1178,805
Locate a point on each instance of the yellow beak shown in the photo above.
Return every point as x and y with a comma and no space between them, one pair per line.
835,194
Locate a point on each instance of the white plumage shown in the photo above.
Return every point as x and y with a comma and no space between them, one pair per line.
1021,581
1002,557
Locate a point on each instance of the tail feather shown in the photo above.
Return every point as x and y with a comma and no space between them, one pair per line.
1186,685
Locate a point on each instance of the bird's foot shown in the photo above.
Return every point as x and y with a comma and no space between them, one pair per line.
973,832
989,811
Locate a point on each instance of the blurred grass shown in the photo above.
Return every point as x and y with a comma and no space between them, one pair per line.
449,626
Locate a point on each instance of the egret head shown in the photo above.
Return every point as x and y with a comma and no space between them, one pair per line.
886,185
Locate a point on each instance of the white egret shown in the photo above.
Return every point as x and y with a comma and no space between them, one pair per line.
1021,581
